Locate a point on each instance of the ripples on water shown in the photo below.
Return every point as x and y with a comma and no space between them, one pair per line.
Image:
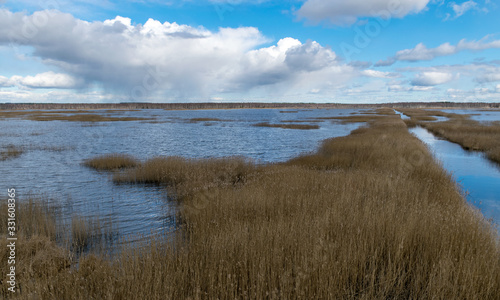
51,165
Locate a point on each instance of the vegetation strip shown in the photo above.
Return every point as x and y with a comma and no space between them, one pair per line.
369,216
287,126
470,134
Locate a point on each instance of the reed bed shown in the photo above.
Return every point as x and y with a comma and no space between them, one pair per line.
83,118
111,162
46,247
184,177
470,134
369,216
287,126
67,115
302,121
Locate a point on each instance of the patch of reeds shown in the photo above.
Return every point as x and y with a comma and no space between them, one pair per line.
66,115
111,162
46,246
302,121
83,118
11,152
289,111
287,126
185,176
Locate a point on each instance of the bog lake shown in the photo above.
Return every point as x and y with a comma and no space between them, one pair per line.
51,165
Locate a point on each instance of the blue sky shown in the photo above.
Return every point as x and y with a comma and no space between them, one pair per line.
238,50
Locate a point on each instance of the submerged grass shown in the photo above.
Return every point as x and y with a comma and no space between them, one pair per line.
46,248
195,120
11,152
111,162
369,216
287,126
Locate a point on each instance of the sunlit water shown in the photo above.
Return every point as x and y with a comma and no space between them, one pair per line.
479,177
51,165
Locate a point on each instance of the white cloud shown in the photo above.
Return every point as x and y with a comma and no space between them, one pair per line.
168,59
5,82
431,78
378,74
421,52
48,80
342,12
460,9
400,88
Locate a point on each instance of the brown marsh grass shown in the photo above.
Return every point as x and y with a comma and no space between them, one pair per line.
111,162
66,115
287,126
43,246
187,176
83,118
369,216
302,121
11,152
470,134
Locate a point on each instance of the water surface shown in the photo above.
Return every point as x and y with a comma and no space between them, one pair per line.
478,176
51,165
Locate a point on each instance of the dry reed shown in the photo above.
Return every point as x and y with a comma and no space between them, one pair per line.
369,216
111,162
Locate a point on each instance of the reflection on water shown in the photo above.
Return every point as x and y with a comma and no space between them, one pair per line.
475,173
52,164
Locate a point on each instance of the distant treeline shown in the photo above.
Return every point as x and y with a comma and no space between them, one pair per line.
250,105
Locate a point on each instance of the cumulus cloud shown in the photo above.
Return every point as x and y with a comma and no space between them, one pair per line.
5,82
421,52
167,58
347,12
431,78
48,80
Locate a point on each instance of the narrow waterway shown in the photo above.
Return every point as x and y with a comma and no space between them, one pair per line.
478,176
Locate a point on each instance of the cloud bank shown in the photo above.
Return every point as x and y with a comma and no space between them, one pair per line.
165,58
421,52
342,12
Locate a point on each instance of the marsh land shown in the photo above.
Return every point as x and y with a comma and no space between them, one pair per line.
358,208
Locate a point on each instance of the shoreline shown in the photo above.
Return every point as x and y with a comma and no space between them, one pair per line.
243,105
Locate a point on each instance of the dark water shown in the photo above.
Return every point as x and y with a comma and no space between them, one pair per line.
479,177
51,164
